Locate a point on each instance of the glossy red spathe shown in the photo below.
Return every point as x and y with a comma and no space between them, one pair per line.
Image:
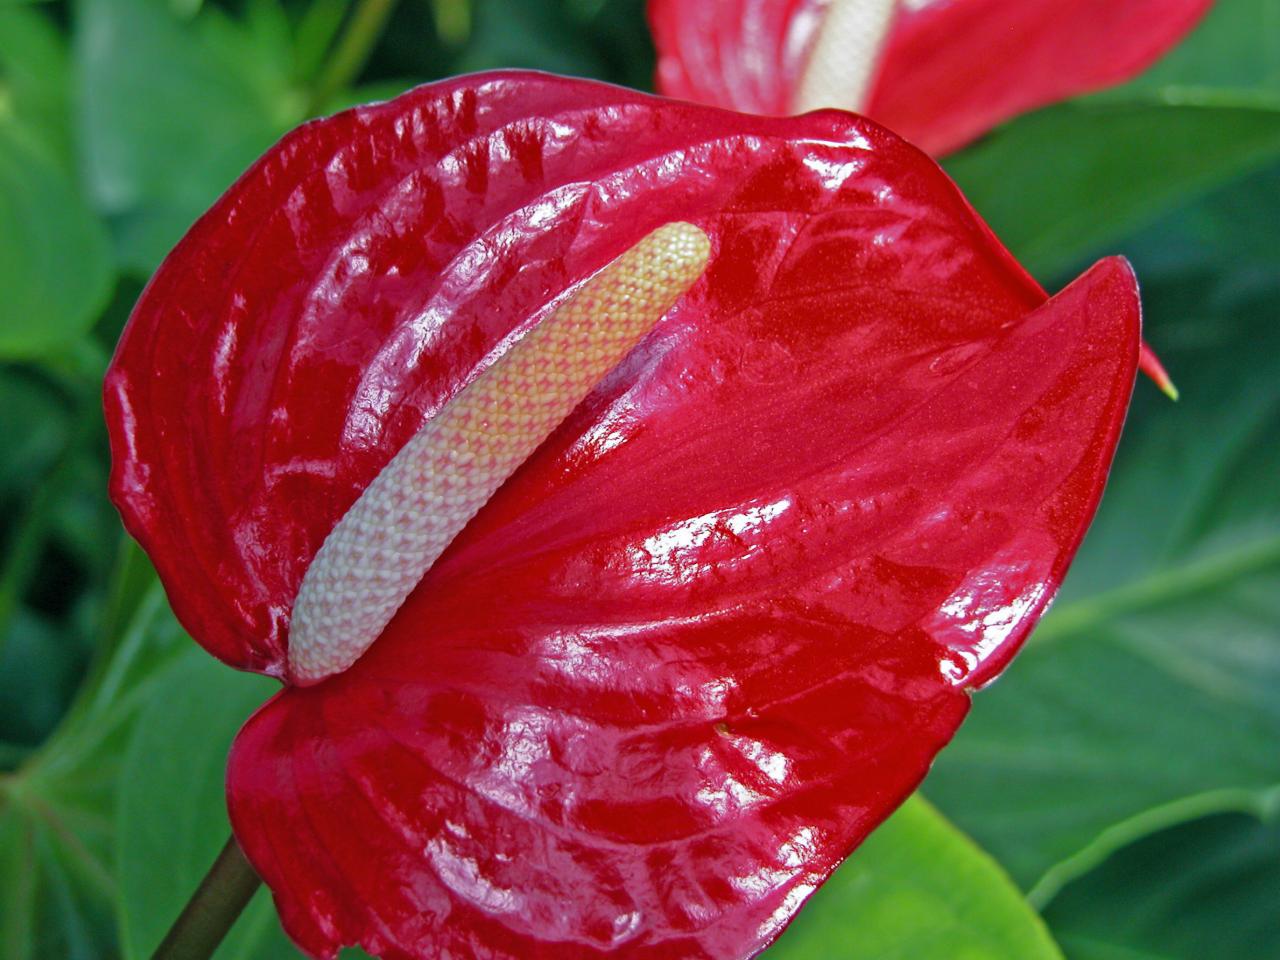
714,630
950,69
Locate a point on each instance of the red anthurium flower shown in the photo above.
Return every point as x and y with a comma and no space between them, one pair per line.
715,627
939,72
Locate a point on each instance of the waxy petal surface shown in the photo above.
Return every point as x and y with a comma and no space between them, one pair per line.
371,264
950,70
598,730
713,631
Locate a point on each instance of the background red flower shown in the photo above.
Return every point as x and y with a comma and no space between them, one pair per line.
949,69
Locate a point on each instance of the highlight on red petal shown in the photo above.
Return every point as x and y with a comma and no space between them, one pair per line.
950,69
715,628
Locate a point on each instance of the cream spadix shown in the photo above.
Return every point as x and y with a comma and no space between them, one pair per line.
430,490
845,54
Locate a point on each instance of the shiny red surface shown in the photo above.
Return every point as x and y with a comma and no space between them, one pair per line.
952,69
715,629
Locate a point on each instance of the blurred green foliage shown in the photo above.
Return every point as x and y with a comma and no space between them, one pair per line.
1125,773
1149,694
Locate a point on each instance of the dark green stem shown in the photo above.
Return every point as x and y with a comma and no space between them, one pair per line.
352,52
223,893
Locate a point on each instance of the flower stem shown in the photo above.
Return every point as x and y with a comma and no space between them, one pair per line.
352,52
223,893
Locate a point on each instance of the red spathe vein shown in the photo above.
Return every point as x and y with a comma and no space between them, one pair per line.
715,628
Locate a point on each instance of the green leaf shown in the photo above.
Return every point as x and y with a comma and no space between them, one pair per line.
55,265
37,674
54,520
173,110
620,32
1063,182
56,890
56,841
918,889
1204,889
171,819
1151,692
35,88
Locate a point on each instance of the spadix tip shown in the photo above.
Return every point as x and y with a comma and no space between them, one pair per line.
1150,364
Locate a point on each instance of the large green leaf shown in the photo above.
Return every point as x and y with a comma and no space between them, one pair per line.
1205,889
35,87
37,671
56,890
55,267
1062,182
1065,181
918,889
171,819
1151,693
173,109
57,882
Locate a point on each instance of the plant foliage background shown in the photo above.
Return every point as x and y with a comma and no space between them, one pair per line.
1116,796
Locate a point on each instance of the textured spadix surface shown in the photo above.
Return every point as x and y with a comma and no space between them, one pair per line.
401,523
950,70
714,629
843,56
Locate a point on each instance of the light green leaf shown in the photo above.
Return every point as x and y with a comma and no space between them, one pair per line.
56,890
35,86
918,889
55,267
56,838
1151,692
173,110
1070,180
171,820
1204,889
